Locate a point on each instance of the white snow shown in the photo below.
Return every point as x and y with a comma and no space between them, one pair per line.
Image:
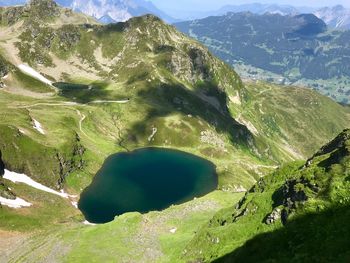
33,73
111,101
173,230
75,204
22,178
17,203
154,131
88,223
38,127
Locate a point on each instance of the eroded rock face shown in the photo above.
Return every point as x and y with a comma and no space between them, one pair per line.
68,166
273,217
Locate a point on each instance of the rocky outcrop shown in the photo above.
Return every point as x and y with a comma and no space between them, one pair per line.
42,9
73,163
68,36
337,148
274,216
35,10
4,69
199,63
4,191
294,193
11,15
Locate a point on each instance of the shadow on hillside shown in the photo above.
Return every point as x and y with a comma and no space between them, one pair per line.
321,237
168,99
83,93
2,166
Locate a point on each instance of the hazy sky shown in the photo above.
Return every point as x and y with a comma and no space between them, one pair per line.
200,5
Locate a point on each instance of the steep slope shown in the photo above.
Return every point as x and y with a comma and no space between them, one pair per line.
295,50
297,213
75,91
116,87
146,77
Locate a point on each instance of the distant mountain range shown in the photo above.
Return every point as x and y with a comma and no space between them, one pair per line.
295,50
108,11
335,17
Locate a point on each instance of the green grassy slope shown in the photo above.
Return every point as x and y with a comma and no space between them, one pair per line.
114,86
302,240
284,114
153,237
289,215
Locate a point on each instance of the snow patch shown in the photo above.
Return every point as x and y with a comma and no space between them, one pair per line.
109,101
33,73
22,178
16,203
88,223
154,131
173,230
75,204
38,127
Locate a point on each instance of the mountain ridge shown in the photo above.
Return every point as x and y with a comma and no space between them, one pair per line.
336,17
75,91
286,52
110,11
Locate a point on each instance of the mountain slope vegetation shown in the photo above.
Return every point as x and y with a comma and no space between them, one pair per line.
295,214
295,50
74,91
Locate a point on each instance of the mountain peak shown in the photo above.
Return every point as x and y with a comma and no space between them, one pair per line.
43,8
46,3
338,8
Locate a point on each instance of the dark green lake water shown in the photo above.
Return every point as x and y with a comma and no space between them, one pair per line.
146,180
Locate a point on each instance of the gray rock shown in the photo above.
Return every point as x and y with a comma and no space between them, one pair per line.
273,217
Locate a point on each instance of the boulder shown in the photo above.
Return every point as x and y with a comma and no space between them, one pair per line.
273,217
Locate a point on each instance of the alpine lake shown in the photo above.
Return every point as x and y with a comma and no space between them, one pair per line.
146,180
